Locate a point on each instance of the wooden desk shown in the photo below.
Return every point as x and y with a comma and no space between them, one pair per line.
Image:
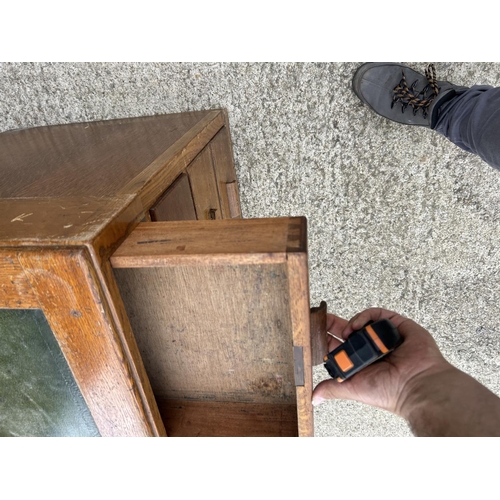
168,308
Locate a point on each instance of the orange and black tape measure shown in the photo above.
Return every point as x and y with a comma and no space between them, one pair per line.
362,348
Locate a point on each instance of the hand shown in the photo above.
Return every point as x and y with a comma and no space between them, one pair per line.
386,383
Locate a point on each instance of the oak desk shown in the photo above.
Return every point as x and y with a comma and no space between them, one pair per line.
158,309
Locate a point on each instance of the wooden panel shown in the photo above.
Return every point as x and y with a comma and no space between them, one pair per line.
73,302
45,221
300,308
204,187
15,289
220,333
249,240
176,204
128,342
89,159
222,157
233,200
319,337
216,419
177,157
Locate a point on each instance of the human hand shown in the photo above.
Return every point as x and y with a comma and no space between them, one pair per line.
386,383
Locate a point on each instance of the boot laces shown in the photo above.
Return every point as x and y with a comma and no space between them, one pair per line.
408,96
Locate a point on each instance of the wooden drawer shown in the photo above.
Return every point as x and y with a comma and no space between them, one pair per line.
220,312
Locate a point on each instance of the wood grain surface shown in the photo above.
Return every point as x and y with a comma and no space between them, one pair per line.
72,300
204,187
72,184
233,202
213,333
152,183
224,331
15,289
128,342
223,161
319,337
176,204
49,221
69,196
88,159
178,156
227,419
220,241
298,279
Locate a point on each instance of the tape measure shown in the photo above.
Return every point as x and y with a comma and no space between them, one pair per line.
362,348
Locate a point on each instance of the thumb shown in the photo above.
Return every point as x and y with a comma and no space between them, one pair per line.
330,389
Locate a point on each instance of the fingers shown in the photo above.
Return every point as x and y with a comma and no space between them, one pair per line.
373,314
330,389
334,326
408,329
333,343
380,383
342,328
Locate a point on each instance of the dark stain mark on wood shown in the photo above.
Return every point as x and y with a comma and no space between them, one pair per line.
264,385
152,241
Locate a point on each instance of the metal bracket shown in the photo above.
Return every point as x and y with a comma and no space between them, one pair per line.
298,365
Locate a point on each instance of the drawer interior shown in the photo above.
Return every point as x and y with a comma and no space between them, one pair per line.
183,418
214,327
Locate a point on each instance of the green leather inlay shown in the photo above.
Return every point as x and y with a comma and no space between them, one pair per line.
38,393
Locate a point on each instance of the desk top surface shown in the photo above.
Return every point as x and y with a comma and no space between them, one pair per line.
64,183
85,159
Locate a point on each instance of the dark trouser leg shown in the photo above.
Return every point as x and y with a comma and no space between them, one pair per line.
471,120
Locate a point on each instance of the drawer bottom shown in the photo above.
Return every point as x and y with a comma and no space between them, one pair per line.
217,419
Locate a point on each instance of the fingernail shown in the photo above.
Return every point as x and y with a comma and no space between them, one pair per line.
317,400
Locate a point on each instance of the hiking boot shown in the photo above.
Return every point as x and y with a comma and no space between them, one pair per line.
384,88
